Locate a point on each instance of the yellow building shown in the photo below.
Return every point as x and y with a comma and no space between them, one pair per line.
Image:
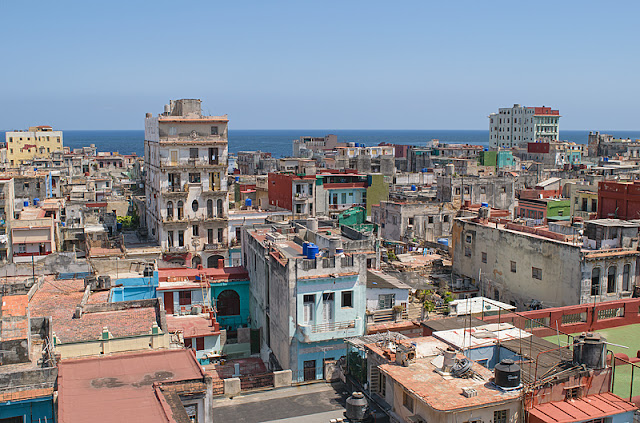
38,142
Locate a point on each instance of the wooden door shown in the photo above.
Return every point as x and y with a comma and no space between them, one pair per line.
168,302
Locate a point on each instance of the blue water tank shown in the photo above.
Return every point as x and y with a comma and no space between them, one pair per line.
606,159
443,241
484,204
485,149
63,224
425,170
36,201
237,179
304,248
26,203
247,202
414,188
312,251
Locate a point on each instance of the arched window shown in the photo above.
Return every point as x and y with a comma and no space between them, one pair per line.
228,303
196,261
194,206
595,281
625,277
611,279
209,208
220,208
212,261
180,210
169,210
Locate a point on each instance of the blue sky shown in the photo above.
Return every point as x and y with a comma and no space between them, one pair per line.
326,64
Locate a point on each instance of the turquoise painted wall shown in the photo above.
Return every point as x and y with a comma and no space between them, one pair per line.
34,410
242,288
352,195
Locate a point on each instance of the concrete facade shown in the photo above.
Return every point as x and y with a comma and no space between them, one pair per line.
516,264
303,307
186,185
401,221
38,142
518,125
498,191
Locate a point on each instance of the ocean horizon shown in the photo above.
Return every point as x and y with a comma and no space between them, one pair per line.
278,142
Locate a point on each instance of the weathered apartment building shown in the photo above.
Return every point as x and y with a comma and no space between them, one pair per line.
305,303
604,145
379,159
186,185
551,265
516,126
37,142
497,191
406,221
314,144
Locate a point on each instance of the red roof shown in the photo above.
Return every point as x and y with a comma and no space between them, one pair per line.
237,273
586,408
192,326
120,387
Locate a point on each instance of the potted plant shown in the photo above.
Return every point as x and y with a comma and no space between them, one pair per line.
397,312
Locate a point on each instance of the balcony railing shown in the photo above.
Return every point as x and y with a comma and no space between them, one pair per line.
182,249
332,326
166,162
213,246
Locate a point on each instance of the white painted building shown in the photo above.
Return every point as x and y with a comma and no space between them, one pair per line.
186,183
518,125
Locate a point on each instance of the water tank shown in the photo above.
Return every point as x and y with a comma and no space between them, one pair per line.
443,241
356,407
449,170
425,170
507,374
305,245
484,204
36,201
335,243
148,271
485,149
237,179
312,224
247,202
26,203
414,188
590,349
312,251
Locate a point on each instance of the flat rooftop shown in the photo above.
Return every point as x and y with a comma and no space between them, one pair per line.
192,326
444,393
119,387
481,336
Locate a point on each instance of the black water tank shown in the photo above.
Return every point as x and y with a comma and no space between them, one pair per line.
507,374
148,272
590,349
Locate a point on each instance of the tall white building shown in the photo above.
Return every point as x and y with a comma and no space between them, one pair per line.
186,185
516,126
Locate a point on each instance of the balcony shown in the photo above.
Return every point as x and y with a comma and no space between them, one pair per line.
190,162
301,196
182,249
214,246
329,330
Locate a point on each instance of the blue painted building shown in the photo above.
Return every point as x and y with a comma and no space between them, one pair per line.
305,303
